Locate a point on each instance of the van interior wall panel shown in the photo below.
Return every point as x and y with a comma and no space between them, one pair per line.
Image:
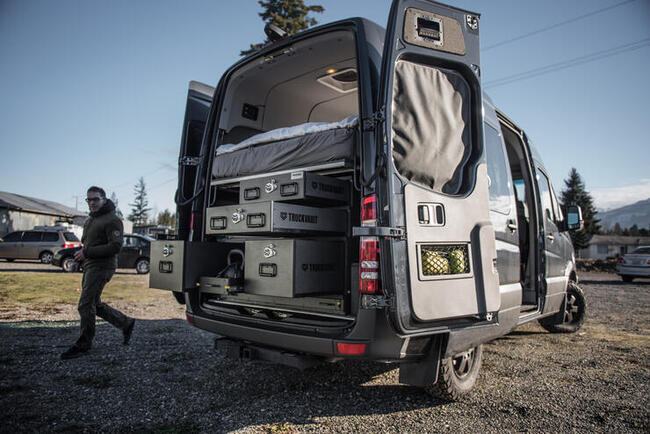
430,123
290,74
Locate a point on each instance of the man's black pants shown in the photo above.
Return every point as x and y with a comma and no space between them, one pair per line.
90,305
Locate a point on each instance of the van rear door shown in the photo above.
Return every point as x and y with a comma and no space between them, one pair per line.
197,108
443,273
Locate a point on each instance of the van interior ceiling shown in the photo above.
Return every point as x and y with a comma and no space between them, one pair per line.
522,184
313,80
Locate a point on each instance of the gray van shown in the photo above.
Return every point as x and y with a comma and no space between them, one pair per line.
350,192
36,244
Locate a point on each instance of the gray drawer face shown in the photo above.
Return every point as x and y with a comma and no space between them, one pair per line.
274,217
178,265
290,268
294,186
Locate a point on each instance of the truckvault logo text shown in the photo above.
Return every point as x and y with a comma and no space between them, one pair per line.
299,218
327,188
318,268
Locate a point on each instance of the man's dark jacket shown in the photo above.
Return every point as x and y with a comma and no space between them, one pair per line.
102,238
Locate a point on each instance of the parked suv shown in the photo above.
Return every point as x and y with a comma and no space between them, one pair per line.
350,192
36,244
135,253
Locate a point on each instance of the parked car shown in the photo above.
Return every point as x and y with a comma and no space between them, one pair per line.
36,244
350,192
134,253
634,264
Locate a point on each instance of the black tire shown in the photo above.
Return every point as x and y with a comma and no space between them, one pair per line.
69,265
458,375
142,266
627,279
575,309
46,257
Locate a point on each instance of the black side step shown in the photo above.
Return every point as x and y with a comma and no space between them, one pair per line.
245,351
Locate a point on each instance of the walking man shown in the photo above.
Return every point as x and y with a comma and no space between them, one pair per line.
102,240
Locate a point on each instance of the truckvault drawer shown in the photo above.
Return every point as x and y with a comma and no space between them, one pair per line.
274,217
177,265
290,268
292,187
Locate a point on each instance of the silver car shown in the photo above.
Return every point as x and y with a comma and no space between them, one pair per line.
36,244
634,264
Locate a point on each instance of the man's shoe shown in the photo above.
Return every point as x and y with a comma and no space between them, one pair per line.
127,331
73,352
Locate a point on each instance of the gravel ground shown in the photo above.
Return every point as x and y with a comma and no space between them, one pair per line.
170,379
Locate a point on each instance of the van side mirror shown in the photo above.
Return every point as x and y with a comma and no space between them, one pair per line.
574,221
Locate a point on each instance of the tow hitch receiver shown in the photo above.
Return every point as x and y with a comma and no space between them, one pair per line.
243,351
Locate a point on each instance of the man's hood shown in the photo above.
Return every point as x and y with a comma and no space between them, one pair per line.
108,207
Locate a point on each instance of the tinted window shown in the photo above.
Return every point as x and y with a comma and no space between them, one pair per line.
69,236
12,237
32,236
51,237
642,251
498,171
545,193
130,242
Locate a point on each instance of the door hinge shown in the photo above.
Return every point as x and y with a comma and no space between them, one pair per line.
379,231
369,124
375,301
190,161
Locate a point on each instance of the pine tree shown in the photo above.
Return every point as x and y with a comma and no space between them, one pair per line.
575,193
118,211
139,210
166,218
289,15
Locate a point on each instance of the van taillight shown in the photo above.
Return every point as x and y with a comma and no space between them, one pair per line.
369,271
68,245
350,349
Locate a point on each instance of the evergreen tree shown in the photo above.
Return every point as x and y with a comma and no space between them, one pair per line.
575,193
617,229
139,210
118,211
289,15
166,218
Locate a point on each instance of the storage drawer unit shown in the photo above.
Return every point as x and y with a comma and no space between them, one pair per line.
274,218
178,265
290,268
295,186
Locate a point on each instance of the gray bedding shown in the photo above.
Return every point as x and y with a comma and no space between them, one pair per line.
308,150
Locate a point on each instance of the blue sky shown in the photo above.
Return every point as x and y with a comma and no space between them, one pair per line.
93,92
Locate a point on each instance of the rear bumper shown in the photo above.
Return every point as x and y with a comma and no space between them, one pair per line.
381,342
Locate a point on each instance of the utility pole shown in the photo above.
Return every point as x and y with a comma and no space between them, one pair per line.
76,202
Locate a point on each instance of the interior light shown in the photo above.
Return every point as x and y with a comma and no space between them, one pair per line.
331,71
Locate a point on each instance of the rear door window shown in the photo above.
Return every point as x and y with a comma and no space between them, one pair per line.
51,237
69,236
32,237
498,171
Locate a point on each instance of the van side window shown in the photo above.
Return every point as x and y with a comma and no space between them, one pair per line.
13,237
498,171
51,237
32,236
545,193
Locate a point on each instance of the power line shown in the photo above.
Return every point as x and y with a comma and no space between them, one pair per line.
554,26
567,63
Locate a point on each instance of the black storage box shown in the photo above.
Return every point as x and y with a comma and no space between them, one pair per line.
295,186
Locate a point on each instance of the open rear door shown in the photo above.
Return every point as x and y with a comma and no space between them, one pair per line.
444,272
197,108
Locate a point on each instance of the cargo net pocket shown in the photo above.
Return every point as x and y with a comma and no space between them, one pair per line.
438,260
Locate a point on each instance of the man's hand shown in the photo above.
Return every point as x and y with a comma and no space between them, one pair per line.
79,255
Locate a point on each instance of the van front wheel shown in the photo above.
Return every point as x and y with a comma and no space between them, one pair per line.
575,308
458,375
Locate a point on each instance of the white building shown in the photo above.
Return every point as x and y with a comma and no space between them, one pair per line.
609,246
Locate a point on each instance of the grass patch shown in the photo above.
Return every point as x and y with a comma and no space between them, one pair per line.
100,381
50,288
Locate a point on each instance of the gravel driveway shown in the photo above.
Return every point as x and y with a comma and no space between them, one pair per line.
172,380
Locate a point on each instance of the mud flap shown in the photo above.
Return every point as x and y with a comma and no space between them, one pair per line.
424,372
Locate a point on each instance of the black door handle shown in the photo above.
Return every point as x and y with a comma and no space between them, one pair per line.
512,225
423,215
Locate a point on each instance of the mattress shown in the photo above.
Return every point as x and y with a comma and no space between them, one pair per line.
285,148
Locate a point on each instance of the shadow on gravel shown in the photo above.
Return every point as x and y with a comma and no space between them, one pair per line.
172,369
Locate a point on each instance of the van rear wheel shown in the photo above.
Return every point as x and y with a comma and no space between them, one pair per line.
575,308
46,257
458,375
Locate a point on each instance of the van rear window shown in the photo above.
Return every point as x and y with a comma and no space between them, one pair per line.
69,236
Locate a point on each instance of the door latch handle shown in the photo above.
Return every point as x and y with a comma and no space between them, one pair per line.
512,226
423,215
551,238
